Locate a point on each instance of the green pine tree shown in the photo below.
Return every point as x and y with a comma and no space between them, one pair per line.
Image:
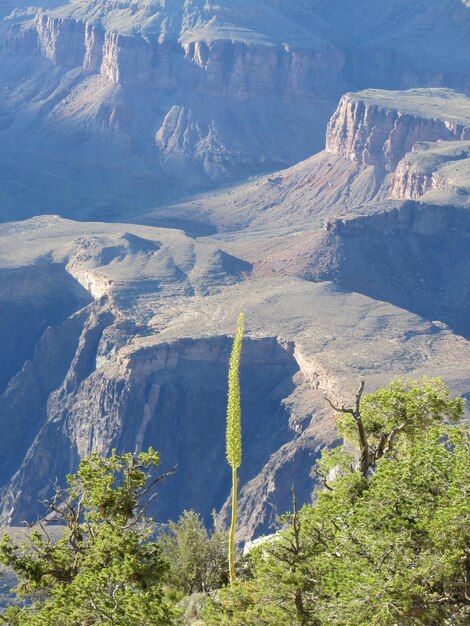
105,568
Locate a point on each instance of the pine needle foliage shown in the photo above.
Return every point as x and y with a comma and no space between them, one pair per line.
105,568
389,546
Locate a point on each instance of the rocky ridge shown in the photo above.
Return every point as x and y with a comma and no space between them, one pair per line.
372,253
436,172
363,229
377,147
225,68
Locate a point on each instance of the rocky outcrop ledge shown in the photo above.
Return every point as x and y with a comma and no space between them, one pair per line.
375,127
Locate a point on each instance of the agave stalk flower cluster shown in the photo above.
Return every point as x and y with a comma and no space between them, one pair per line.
233,433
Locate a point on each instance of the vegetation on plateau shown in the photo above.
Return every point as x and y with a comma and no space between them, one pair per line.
386,542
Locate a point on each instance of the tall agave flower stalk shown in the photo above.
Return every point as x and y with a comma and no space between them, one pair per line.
233,434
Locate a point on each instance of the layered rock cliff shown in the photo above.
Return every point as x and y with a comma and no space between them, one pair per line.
143,361
172,396
375,150
118,335
379,127
31,300
89,392
201,109
226,68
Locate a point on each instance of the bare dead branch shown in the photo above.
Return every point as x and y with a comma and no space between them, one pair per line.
323,479
155,481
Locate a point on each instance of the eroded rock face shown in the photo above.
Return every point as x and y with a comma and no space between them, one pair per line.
170,396
220,68
128,341
410,183
31,300
100,378
200,109
379,128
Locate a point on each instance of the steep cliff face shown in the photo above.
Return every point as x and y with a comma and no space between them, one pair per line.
379,128
123,330
224,68
101,378
170,396
62,357
375,150
24,403
121,58
409,183
31,299
200,109
99,381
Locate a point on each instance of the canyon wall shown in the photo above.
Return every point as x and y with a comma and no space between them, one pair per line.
409,183
437,170
121,333
366,130
31,300
191,95
182,113
144,363
219,68
89,397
